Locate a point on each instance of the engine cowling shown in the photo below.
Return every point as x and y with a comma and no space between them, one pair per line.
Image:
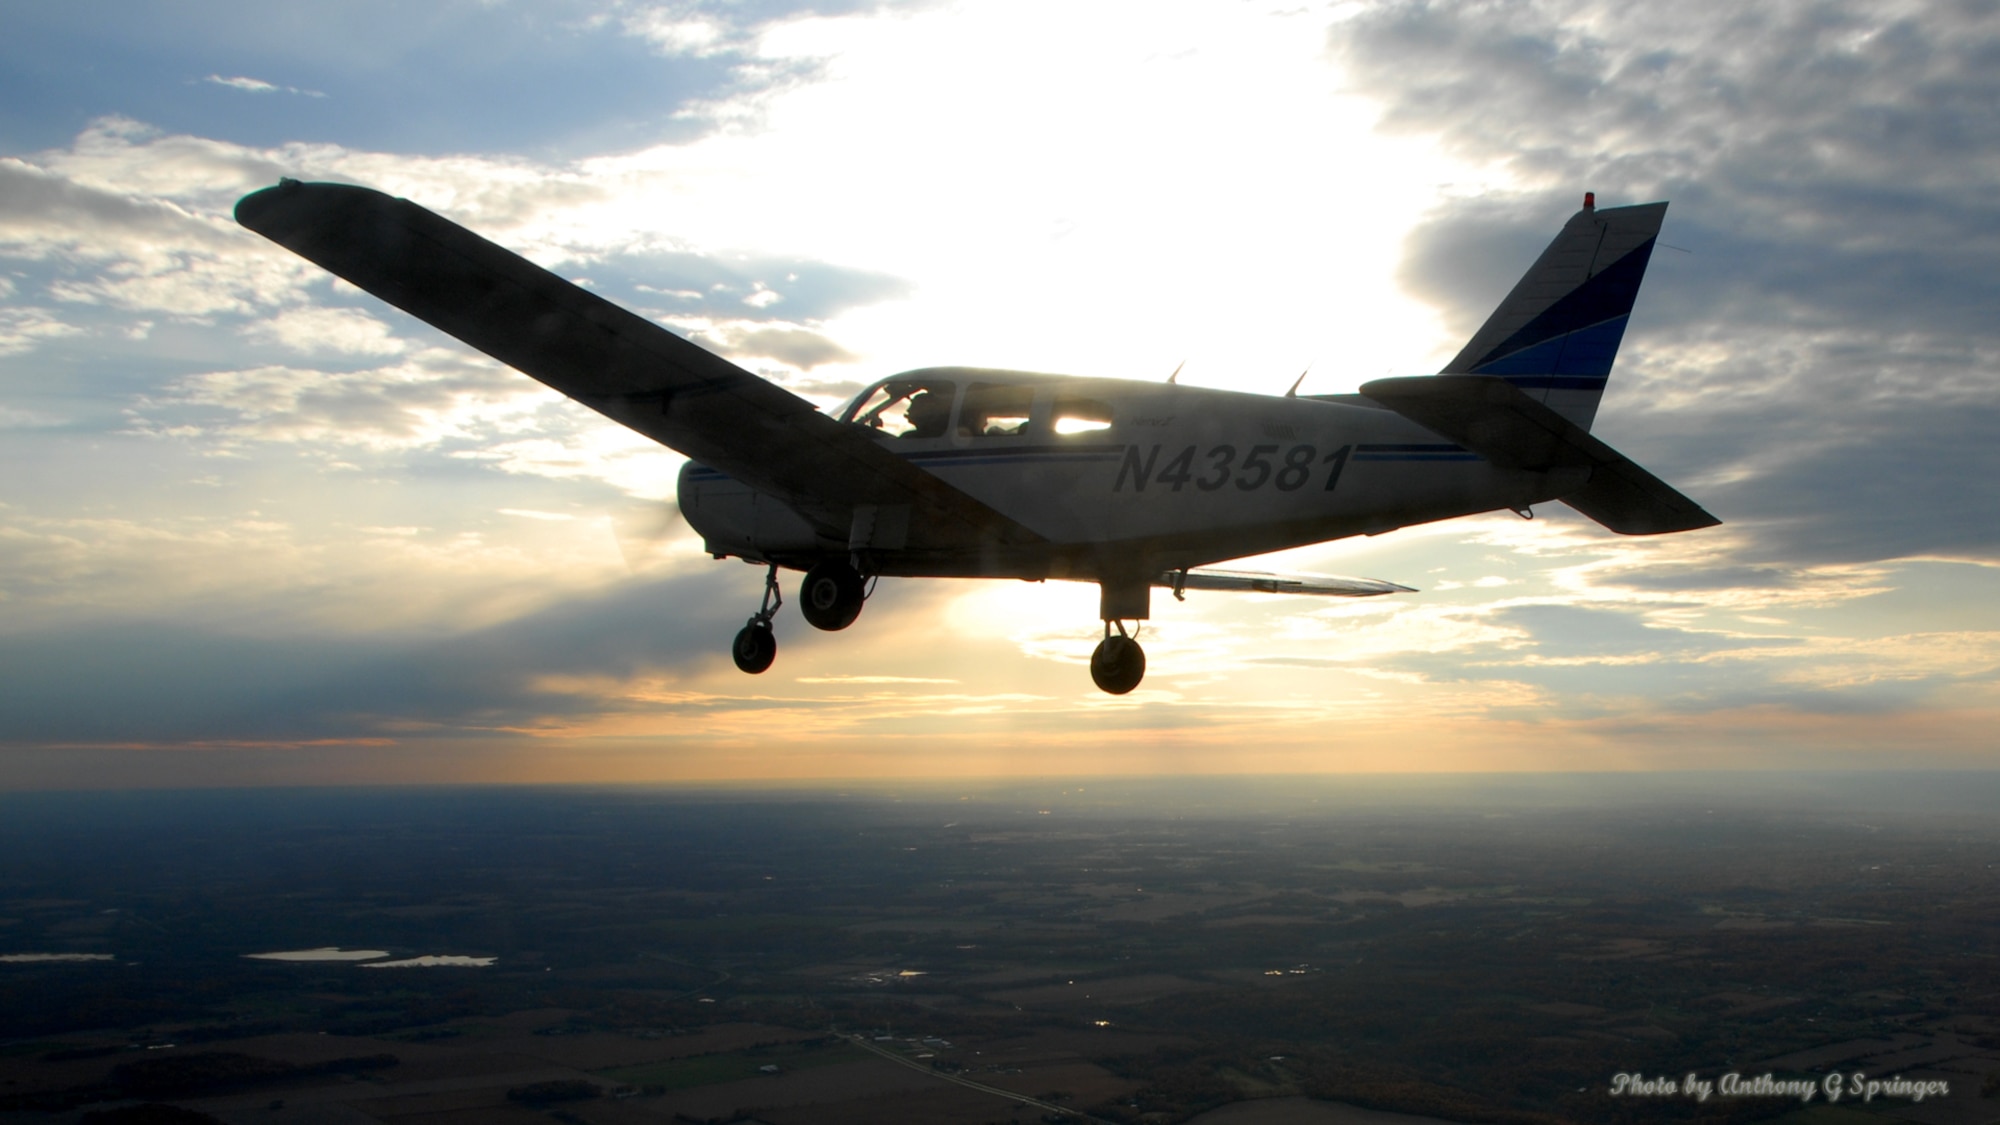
735,519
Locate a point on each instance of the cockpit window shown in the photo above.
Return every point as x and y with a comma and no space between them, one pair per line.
1081,416
995,410
906,408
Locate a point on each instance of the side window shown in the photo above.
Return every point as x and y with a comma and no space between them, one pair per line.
994,410
906,408
1081,416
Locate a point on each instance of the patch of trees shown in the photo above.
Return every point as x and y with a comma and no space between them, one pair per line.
148,1113
551,1092
205,1072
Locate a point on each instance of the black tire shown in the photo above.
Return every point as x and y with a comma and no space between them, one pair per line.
755,647
1118,664
830,597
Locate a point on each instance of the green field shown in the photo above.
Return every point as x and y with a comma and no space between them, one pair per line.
730,1066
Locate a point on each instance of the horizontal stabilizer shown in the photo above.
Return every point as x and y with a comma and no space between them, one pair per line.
1503,424
1263,582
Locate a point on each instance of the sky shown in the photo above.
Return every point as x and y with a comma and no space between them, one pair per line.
257,528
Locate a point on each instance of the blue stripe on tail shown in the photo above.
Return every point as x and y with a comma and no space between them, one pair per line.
1557,332
1578,336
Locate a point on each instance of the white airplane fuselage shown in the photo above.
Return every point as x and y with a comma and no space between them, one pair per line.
1174,477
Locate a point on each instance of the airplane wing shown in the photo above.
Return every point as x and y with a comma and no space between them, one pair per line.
618,363
1505,425
1263,582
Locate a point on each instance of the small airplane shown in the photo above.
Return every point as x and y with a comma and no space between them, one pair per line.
970,472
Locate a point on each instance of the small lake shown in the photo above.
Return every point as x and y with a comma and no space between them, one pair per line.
325,953
446,961
38,958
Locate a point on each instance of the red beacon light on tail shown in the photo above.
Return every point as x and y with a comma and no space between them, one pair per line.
1590,201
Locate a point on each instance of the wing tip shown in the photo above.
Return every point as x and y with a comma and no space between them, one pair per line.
254,209
1625,518
269,211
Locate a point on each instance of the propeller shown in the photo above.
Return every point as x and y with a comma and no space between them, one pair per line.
643,528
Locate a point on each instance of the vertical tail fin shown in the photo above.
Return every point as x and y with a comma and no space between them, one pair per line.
1558,331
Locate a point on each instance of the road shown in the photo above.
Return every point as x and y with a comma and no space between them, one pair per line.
904,1060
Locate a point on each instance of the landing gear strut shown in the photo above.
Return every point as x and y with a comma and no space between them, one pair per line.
831,595
756,646
1119,663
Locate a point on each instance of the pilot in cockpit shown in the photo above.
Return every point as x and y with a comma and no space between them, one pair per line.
929,414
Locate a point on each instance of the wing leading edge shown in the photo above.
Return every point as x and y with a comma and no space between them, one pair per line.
618,363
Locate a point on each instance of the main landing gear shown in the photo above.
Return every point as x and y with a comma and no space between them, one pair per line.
1119,663
830,597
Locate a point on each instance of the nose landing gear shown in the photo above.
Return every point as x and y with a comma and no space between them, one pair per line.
1123,595
1119,663
756,646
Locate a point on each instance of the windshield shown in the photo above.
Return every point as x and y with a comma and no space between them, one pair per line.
906,408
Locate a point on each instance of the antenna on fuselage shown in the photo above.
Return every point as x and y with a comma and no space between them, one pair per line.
1294,392
1174,379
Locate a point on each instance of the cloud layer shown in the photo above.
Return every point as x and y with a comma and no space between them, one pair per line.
248,511
1820,363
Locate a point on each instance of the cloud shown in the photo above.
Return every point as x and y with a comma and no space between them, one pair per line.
587,452
249,85
258,477
131,221
43,211
309,331
131,250
21,329
434,402
675,34
801,348
1825,349
1396,630
150,215
642,657
561,78
1837,100
423,401
1557,633
258,86
120,161
679,283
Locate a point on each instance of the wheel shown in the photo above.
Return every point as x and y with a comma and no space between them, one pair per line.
1118,664
831,596
755,647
